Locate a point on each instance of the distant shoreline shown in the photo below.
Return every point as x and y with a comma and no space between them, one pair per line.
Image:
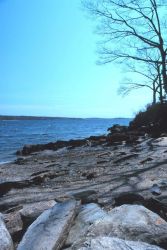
8,117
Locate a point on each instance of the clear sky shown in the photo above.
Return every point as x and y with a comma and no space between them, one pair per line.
48,64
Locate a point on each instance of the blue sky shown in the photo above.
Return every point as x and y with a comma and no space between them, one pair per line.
48,64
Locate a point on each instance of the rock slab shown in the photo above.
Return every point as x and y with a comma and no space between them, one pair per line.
13,222
132,222
87,215
5,238
111,243
30,212
49,230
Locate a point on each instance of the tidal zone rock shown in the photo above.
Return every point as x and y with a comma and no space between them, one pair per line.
5,238
50,229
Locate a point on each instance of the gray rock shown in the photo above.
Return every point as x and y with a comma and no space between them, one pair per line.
86,196
5,238
155,189
13,222
111,243
160,142
88,214
132,222
50,229
128,198
31,211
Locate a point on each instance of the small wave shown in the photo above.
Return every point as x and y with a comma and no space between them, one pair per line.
5,162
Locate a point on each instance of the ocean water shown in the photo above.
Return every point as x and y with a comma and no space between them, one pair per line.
14,134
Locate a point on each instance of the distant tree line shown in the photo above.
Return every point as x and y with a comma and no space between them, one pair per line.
10,117
134,32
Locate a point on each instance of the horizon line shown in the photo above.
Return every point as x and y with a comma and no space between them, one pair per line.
60,117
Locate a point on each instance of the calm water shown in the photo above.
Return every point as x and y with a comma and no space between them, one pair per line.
15,134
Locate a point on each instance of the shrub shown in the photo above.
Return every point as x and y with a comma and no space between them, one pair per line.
152,120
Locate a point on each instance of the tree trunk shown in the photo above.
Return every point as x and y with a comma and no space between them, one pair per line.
154,93
160,90
164,74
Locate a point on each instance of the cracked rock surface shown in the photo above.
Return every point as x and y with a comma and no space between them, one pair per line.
49,230
102,178
110,243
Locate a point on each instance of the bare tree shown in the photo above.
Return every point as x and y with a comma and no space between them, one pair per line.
147,76
130,28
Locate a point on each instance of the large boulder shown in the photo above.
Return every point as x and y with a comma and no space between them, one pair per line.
5,238
132,222
13,223
50,229
87,215
152,204
31,211
111,243
116,128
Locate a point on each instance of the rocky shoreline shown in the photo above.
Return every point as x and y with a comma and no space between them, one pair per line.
102,192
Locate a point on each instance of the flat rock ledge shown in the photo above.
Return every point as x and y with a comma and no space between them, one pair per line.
102,193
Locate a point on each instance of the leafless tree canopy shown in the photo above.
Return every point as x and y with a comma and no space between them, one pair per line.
133,30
